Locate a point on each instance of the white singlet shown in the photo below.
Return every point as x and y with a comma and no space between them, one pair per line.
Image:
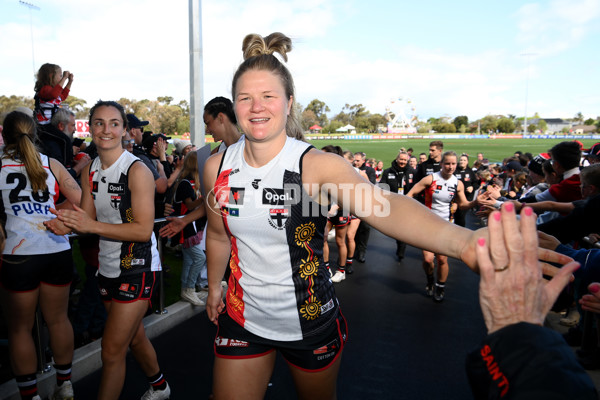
279,288
439,195
24,211
112,199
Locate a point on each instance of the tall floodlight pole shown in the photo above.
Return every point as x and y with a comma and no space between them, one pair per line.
34,7
196,92
528,56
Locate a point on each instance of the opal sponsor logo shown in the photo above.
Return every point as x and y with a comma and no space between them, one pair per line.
116,188
279,197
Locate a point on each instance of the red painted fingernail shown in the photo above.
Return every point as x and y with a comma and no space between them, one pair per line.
481,242
528,211
497,216
594,288
509,207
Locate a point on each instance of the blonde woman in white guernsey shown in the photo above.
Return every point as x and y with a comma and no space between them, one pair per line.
266,199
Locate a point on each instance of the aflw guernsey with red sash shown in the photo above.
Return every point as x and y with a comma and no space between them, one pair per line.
112,199
279,288
24,211
439,195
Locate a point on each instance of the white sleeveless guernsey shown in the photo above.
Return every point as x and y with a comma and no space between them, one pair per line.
24,211
279,288
112,199
439,195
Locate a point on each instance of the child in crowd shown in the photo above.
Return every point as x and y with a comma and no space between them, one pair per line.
49,91
187,198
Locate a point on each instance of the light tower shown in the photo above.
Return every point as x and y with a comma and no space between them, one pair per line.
528,56
31,7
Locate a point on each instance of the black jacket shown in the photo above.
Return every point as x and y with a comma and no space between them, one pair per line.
56,144
580,222
398,180
526,361
370,173
468,178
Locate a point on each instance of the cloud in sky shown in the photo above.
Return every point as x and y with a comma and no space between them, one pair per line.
548,28
464,60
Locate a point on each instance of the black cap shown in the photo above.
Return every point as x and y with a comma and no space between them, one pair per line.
77,142
594,151
513,165
536,164
134,122
149,140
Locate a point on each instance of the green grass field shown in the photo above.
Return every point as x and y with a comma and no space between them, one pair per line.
494,150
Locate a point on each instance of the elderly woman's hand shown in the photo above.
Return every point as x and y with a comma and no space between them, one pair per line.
512,288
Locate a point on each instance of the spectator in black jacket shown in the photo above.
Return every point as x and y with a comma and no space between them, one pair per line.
56,141
364,230
135,128
432,164
399,178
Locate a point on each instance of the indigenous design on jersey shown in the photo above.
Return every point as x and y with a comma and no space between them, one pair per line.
439,195
24,211
278,288
112,199
308,269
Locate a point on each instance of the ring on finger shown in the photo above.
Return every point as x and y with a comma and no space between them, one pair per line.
501,268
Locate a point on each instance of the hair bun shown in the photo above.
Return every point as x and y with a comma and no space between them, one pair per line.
255,45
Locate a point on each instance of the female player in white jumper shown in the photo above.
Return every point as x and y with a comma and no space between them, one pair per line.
443,189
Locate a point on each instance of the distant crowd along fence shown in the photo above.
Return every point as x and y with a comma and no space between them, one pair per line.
398,136
82,130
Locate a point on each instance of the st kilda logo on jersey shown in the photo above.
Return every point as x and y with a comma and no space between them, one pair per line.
279,202
115,190
278,217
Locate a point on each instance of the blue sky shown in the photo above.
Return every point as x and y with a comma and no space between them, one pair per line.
448,58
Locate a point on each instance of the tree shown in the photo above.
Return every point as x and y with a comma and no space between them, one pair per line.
77,105
8,104
506,125
362,124
531,128
350,113
542,125
423,127
578,118
332,126
376,120
319,109
489,123
164,99
444,127
309,119
185,107
589,121
460,120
